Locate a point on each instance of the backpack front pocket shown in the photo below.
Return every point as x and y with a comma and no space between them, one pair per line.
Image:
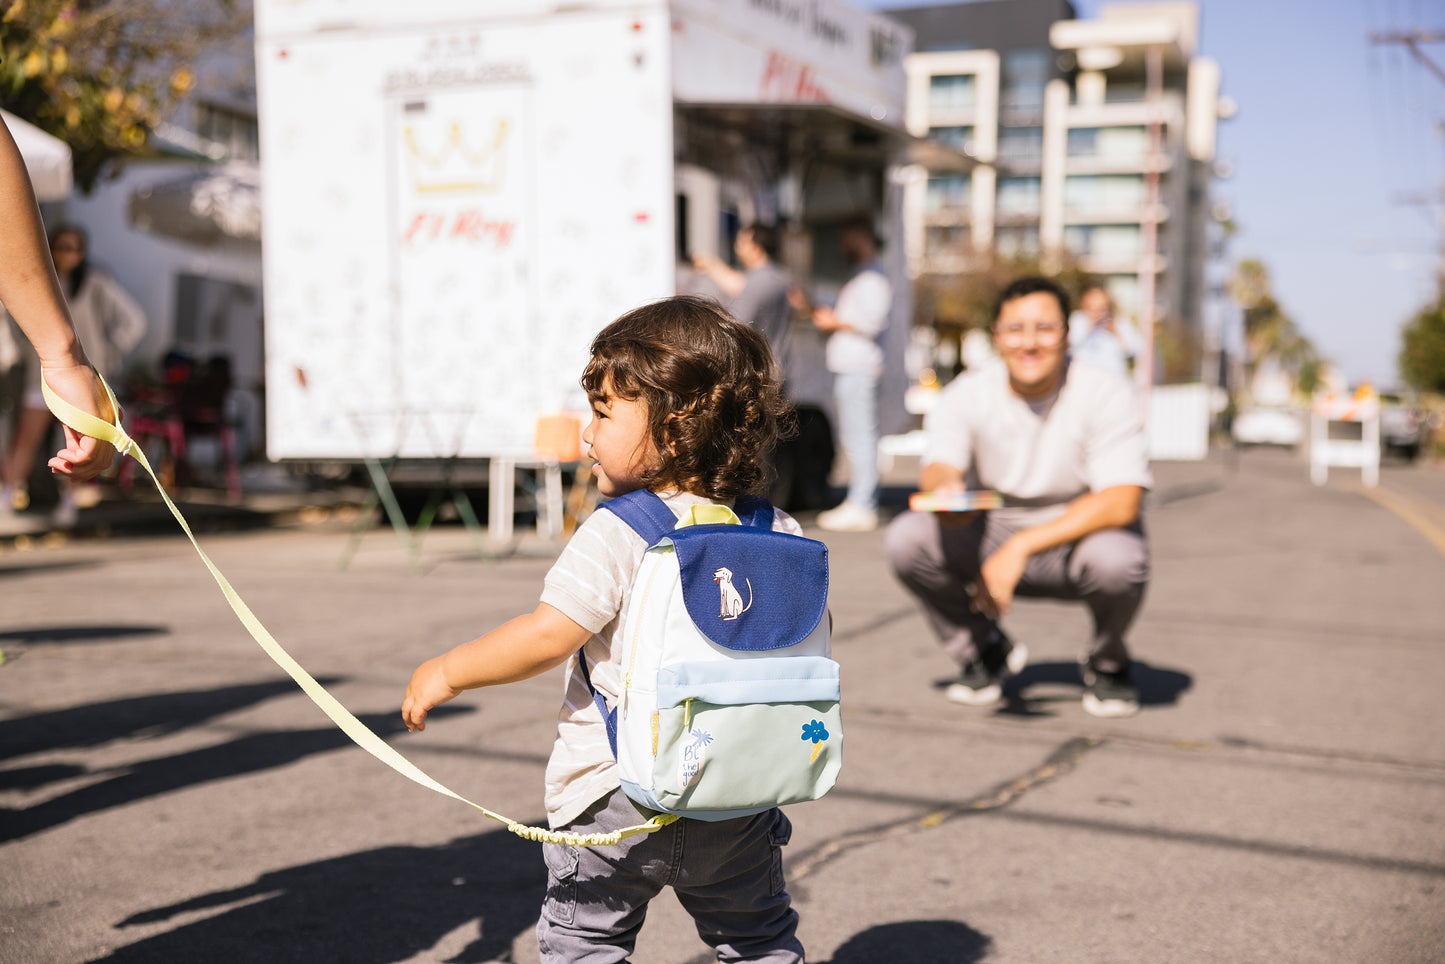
745,734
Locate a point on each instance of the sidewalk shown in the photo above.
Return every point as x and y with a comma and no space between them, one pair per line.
168,793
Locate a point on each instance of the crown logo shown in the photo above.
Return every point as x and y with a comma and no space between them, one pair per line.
456,165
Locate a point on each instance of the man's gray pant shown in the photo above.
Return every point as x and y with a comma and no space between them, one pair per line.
1108,570
727,874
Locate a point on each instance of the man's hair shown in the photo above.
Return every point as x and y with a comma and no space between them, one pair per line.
764,236
1032,285
714,399
864,226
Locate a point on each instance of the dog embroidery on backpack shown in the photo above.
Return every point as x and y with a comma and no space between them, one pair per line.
731,602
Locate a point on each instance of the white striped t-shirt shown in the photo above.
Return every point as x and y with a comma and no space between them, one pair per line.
589,584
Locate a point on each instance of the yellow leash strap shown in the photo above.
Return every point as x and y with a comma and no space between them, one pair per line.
88,424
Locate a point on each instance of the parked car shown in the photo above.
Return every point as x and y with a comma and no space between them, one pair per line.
1404,427
1268,425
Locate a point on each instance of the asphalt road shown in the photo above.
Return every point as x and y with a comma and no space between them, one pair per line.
167,794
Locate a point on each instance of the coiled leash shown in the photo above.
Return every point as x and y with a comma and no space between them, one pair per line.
88,424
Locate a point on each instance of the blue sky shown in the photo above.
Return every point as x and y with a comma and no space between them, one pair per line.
1333,139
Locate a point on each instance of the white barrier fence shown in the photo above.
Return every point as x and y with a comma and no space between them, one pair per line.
1362,453
1179,422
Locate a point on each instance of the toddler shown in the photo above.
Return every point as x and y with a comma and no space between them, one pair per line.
686,403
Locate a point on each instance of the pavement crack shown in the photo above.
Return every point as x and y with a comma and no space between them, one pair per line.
1061,761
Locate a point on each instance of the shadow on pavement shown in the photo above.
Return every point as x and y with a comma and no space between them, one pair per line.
150,716
373,907
1158,686
47,566
150,778
915,940
40,635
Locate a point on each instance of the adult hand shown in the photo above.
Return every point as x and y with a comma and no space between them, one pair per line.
825,319
82,457
799,301
998,578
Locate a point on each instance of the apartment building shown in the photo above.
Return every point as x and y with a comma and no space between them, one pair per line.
1095,140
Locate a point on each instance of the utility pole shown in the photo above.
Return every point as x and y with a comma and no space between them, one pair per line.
1411,40
1149,229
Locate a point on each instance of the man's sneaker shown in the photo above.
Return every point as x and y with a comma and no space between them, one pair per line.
849,517
981,683
1110,694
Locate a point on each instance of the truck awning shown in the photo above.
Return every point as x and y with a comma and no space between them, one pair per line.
828,132
206,205
47,158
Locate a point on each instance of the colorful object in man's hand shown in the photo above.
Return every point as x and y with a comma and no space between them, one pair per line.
955,501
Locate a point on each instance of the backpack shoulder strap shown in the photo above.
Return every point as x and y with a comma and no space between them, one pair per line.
755,511
644,512
609,716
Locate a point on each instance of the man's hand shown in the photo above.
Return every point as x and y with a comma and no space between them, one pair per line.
998,578
428,688
826,319
82,457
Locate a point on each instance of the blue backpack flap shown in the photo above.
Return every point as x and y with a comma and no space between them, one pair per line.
751,591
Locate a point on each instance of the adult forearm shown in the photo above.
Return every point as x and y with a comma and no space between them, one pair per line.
939,476
28,286
1110,508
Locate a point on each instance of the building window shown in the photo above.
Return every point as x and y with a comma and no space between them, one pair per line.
954,240
1105,242
1021,144
1125,94
1016,243
1103,192
949,192
952,92
233,130
1125,144
1025,75
1018,196
960,137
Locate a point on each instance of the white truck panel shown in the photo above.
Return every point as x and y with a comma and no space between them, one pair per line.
451,211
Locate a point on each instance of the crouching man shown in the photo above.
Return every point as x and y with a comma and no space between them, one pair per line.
1063,442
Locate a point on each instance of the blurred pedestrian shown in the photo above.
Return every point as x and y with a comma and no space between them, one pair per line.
108,322
1064,444
856,327
758,294
685,403
1100,336
31,295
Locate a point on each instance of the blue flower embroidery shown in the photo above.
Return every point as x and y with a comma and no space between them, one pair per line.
815,732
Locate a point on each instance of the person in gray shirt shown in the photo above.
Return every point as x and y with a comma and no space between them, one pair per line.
758,294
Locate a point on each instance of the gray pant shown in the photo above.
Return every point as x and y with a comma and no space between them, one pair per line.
727,874
1108,570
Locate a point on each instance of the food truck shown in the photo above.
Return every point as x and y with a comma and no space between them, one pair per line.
457,196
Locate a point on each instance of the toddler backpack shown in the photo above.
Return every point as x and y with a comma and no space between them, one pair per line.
729,700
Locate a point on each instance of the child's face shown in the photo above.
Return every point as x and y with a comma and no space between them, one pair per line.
619,439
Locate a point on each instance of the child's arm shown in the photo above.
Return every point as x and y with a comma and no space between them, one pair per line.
516,650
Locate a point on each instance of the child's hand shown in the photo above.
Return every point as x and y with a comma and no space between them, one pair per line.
427,688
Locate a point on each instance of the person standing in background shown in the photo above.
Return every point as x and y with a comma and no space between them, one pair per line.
1099,337
758,294
856,325
108,322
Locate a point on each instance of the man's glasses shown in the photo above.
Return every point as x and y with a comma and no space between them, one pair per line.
1046,335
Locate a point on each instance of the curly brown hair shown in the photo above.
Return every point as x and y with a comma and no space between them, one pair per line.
712,390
